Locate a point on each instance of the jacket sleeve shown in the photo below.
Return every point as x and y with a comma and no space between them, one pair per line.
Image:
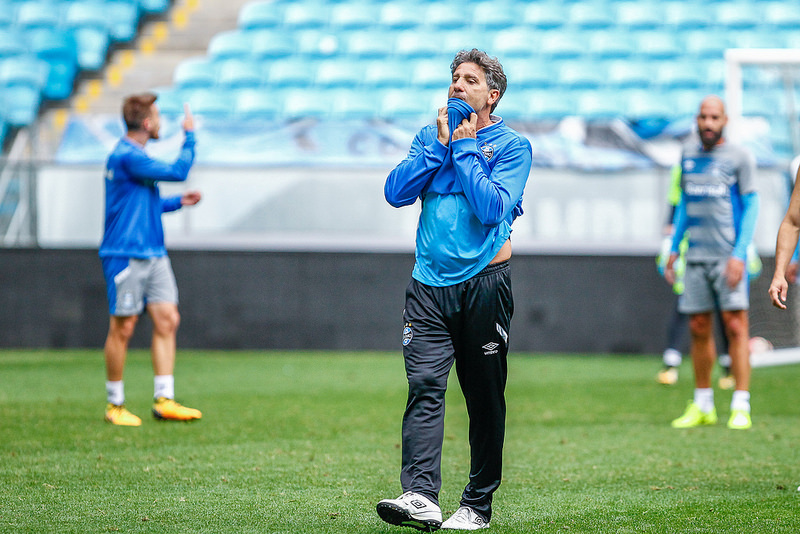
681,223
146,169
748,227
171,203
493,198
407,181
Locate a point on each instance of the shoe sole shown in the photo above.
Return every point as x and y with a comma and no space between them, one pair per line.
395,515
160,417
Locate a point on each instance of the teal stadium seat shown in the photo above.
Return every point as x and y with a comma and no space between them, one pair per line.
399,104
11,43
544,15
22,80
638,15
317,44
706,44
641,104
239,73
738,15
123,19
211,103
154,7
431,74
339,73
290,72
672,75
439,15
658,45
380,74
368,45
531,73
6,15
581,74
516,43
548,105
271,44
170,101
399,15
599,106
195,73
351,16
611,44
685,15
260,15
306,103
37,14
232,44
259,104
628,74
559,44
496,15
308,15
354,104
590,16
781,16
413,44
89,26
59,50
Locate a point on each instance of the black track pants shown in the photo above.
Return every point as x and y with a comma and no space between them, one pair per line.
467,323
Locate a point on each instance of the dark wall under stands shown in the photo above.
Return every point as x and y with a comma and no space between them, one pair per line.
343,301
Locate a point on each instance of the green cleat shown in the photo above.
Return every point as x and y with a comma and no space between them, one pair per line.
693,417
739,420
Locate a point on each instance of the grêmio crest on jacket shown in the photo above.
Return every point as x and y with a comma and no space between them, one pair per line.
488,151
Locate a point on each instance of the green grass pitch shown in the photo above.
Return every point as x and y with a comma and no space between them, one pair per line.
295,442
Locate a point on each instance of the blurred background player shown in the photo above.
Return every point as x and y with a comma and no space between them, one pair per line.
137,269
459,303
719,209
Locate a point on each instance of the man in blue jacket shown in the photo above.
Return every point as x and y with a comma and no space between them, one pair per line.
469,171
137,270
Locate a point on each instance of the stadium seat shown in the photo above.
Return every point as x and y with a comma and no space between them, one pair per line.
658,45
317,44
260,14
21,82
558,44
625,74
369,45
154,7
308,15
706,44
550,105
431,74
250,103
338,73
7,17
385,75
781,16
514,43
400,104
399,15
59,50
350,16
195,72
441,15
89,26
170,101
611,44
588,15
638,15
271,44
643,104
599,105
123,19
685,16
239,73
358,104
305,103
232,44
495,15
37,14
11,43
210,103
455,40
680,75
544,15
738,15
290,72
581,74
531,73
416,44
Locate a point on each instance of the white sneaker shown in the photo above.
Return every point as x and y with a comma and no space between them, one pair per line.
411,510
465,518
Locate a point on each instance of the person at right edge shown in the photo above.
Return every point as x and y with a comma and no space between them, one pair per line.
719,209
459,303
787,247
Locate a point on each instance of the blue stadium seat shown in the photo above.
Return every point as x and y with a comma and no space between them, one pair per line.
759,39
170,101
530,73
685,74
558,44
440,15
685,16
399,15
89,26
588,15
431,74
350,16
340,72
303,103
513,106
232,44
413,44
384,75
515,43
544,15
59,50
239,73
7,15
369,45
272,44
599,105
290,72
195,72
11,43
626,74
581,74
455,40
495,15
738,15
611,44
21,82
396,104
308,15
781,16
123,19
550,105
646,104
250,103
154,7
639,15
37,14
211,103
259,15
317,44
354,104
658,45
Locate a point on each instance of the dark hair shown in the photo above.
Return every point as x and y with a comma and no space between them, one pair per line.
492,69
136,108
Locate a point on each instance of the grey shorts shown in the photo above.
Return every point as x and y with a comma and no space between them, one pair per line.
132,283
707,289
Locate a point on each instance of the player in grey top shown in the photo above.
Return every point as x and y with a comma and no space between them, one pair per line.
719,208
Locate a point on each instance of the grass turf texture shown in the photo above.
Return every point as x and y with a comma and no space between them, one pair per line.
309,442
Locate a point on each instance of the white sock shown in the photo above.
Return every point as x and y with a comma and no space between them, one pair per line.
164,386
672,358
741,401
724,360
704,398
115,392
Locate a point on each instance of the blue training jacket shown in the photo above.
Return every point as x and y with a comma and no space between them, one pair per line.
134,206
471,193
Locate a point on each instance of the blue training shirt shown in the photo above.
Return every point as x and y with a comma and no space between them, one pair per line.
134,206
471,193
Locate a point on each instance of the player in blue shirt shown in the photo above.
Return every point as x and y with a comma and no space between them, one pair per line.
719,208
137,270
469,171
